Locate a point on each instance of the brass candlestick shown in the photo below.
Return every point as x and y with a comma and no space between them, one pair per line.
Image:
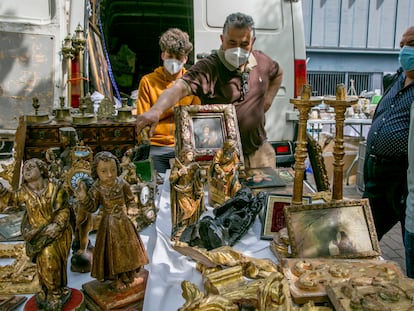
340,103
125,112
68,54
62,113
83,117
78,42
37,117
304,105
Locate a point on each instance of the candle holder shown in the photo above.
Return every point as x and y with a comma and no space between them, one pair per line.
37,117
83,117
304,105
78,43
340,103
62,113
125,112
68,53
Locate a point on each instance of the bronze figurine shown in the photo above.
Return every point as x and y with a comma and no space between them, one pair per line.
223,176
187,192
47,232
119,252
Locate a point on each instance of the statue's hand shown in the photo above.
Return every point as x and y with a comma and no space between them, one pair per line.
133,211
52,230
183,171
81,191
150,215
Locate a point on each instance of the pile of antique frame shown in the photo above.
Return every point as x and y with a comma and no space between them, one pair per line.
328,251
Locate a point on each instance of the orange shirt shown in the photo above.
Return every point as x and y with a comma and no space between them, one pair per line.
150,88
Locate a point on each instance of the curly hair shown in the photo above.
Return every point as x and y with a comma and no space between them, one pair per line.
176,42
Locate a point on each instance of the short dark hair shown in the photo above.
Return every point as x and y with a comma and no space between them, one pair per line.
176,42
240,21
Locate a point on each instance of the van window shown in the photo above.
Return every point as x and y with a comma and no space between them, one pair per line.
258,9
26,11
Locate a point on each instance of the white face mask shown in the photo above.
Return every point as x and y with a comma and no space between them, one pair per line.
173,65
236,56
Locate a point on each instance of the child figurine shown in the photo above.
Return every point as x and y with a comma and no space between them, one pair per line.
119,252
46,229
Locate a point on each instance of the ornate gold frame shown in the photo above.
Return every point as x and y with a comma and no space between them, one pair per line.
19,277
273,216
338,229
188,117
318,164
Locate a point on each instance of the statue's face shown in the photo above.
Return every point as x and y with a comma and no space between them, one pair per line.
31,171
107,172
190,156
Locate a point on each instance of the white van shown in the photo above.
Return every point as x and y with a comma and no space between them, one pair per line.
32,34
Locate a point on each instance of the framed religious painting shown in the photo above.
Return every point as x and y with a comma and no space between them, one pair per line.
205,128
273,217
340,229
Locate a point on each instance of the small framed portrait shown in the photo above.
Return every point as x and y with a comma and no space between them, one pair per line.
263,177
205,128
342,229
273,217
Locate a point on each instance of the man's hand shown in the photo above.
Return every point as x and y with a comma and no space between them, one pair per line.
149,118
167,99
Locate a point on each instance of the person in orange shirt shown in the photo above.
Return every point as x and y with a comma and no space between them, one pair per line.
175,47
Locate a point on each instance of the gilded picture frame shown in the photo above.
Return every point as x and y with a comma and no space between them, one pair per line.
317,162
205,128
338,229
273,217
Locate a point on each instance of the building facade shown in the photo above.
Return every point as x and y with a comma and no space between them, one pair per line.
353,39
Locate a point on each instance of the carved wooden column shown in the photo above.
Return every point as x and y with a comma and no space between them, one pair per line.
340,103
304,105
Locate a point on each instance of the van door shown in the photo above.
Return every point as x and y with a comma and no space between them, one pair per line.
280,34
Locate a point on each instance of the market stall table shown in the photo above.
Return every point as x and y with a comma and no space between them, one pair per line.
168,268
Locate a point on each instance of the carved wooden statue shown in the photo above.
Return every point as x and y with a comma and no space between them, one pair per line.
77,159
55,163
187,192
119,252
223,176
47,232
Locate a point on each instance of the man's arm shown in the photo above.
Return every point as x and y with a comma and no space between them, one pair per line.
167,99
272,89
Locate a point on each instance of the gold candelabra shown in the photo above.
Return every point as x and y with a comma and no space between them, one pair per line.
79,42
304,105
68,53
340,103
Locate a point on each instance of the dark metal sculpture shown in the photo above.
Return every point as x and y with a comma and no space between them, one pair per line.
230,223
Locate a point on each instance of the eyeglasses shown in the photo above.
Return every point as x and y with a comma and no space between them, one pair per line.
244,89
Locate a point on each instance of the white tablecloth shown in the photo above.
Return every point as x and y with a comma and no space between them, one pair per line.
168,268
